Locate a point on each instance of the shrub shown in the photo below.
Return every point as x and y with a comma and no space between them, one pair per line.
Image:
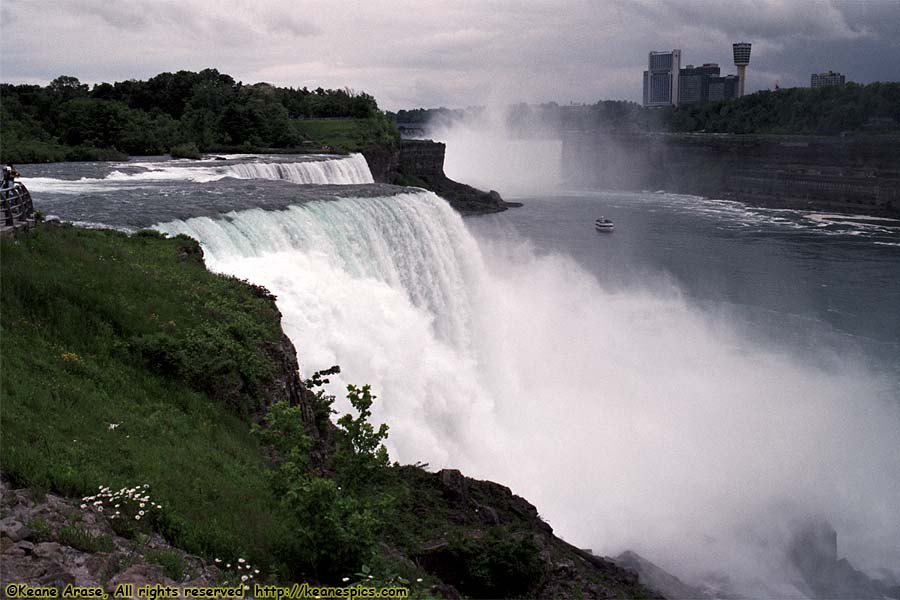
500,564
171,561
334,527
80,538
188,150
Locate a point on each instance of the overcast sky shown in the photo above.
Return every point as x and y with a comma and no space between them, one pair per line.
455,53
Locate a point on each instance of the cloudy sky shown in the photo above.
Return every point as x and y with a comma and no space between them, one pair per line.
410,53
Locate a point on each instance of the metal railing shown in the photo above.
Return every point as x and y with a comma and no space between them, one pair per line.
16,206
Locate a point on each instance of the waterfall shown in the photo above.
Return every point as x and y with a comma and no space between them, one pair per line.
348,170
630,418
339,171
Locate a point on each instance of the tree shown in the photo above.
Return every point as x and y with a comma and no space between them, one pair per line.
68,87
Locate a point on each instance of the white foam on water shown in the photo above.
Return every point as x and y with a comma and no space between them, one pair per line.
352,169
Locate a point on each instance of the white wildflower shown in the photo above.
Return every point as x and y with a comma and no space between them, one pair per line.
243,578
241,560
345,579
137,517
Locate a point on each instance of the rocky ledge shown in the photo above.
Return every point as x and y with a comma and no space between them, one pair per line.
421,163
49,541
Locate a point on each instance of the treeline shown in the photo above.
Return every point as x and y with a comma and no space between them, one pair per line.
184,113
824,111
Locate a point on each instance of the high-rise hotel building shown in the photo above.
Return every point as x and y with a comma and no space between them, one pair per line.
829,79
661,78
693,82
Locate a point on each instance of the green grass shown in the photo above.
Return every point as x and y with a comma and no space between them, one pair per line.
98,328
80,538
37,151
346,135
171,561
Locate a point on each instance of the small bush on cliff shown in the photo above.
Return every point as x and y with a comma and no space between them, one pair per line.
360,451
335,518
498,565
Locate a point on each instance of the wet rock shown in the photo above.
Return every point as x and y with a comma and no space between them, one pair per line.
453,485
56,576
656,577
50,550
488,515
565,567
445,591
814,552
140,575
14,530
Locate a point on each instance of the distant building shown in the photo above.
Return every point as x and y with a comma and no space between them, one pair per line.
829,79
661,78
721,88
741,52
693,82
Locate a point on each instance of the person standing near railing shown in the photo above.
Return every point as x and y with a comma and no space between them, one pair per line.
9,178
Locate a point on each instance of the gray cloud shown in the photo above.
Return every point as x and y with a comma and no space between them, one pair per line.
291,25
455,53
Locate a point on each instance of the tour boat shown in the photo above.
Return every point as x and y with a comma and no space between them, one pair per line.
603,224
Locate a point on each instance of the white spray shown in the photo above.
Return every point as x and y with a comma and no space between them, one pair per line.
629,418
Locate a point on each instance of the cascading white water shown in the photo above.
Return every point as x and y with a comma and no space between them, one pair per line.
352,169
629,418
340,171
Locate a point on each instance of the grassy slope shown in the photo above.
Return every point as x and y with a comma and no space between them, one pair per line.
99,328
349,135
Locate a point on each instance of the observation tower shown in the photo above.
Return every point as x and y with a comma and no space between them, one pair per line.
741,60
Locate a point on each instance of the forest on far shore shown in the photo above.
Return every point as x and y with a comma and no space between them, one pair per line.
183,113
873,108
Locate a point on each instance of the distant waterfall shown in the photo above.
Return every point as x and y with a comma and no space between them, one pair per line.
338,171
347,170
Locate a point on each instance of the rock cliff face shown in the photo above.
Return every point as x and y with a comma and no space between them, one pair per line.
846,174
421,163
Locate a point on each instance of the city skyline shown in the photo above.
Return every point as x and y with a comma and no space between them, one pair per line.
457,54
